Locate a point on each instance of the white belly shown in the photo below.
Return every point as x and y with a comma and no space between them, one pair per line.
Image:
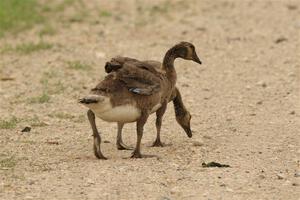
124,113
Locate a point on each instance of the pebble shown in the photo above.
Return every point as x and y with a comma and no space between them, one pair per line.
90,182
174,190
100,54
26,129
207,137
280,176
262,84
261,176
292,112
259,102
229,189
198,143
297,174
165,198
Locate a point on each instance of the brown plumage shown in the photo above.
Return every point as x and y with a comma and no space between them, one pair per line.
134,91
182,115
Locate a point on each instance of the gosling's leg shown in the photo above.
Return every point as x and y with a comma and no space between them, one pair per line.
120,144
159,114
96,135
139,130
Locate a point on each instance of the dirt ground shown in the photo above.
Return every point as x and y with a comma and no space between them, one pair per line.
244,100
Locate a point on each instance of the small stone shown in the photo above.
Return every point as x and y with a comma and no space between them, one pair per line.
26,129
90,182
292,7
259,102
234,130
280,39
198,143
100,54
165,198
261,176
297,174
280,176
207,137
31,182
262,83
184,32
201,29
248,87
292,112
174,190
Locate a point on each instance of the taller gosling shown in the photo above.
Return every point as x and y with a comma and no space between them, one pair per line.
132,93
183,117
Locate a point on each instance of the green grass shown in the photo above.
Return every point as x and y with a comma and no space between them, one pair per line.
62,5
36,122
78,65
43,98
8,124
105,13
27,48
47,30
52,86
61,115
17,15
8,163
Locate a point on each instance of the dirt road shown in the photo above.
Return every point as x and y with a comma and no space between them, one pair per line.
244,100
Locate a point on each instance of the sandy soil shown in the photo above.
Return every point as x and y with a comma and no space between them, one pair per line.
244,101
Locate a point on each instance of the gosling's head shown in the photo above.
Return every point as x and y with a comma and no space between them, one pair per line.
185,123
186,50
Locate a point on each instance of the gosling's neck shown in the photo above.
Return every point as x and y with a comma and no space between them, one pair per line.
180,109
168,65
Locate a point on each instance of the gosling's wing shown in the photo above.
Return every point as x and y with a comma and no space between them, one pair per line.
138,79
117,63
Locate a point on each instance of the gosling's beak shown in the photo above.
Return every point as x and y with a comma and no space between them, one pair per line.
188,131
196,58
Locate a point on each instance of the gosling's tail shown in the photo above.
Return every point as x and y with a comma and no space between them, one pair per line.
90,99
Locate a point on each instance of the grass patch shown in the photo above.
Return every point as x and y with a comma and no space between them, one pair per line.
79,17
62,115
78,65
8,163
160,9
47,30
30,47
80,119
17,15
36,122
51,87
105,13
9,124
43,98
27,48
61,6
